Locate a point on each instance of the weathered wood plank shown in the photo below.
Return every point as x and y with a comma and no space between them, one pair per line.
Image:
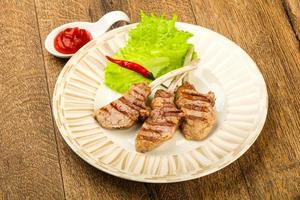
271,167
29,165
182,9
81,181
292,7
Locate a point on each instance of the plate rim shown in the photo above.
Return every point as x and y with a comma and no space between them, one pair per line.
258,131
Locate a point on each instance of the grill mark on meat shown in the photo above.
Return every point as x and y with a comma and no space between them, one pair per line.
193,93
149,136
129,104
105,109
180,102
139,104
193,117
138,92
139,99
194,98
137,95
133,112
151,129
163,95
171,114
168,108
135,102
168,105
172,111
160,123
118,108
196,107
157,104
164,106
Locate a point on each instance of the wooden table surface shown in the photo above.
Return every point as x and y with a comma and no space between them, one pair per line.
35,162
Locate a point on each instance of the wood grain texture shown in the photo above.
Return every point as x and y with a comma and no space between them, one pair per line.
29,166
271,167
81,181
267,30
292,7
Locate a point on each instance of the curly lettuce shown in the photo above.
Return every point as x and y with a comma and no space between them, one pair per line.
156,44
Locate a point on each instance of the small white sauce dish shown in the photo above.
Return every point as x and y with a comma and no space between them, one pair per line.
96,29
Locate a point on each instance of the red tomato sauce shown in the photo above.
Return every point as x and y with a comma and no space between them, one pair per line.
71,40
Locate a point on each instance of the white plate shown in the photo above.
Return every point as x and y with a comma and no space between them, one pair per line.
227,70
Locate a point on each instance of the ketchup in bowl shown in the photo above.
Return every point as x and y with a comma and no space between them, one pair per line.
71,40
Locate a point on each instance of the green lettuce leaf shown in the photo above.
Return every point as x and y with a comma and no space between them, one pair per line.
155,44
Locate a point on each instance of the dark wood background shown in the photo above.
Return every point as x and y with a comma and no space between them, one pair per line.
35,162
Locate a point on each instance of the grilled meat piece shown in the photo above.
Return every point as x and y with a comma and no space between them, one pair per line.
199,115
161,124
125,111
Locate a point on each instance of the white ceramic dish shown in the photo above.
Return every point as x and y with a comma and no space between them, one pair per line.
96,29
226,69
